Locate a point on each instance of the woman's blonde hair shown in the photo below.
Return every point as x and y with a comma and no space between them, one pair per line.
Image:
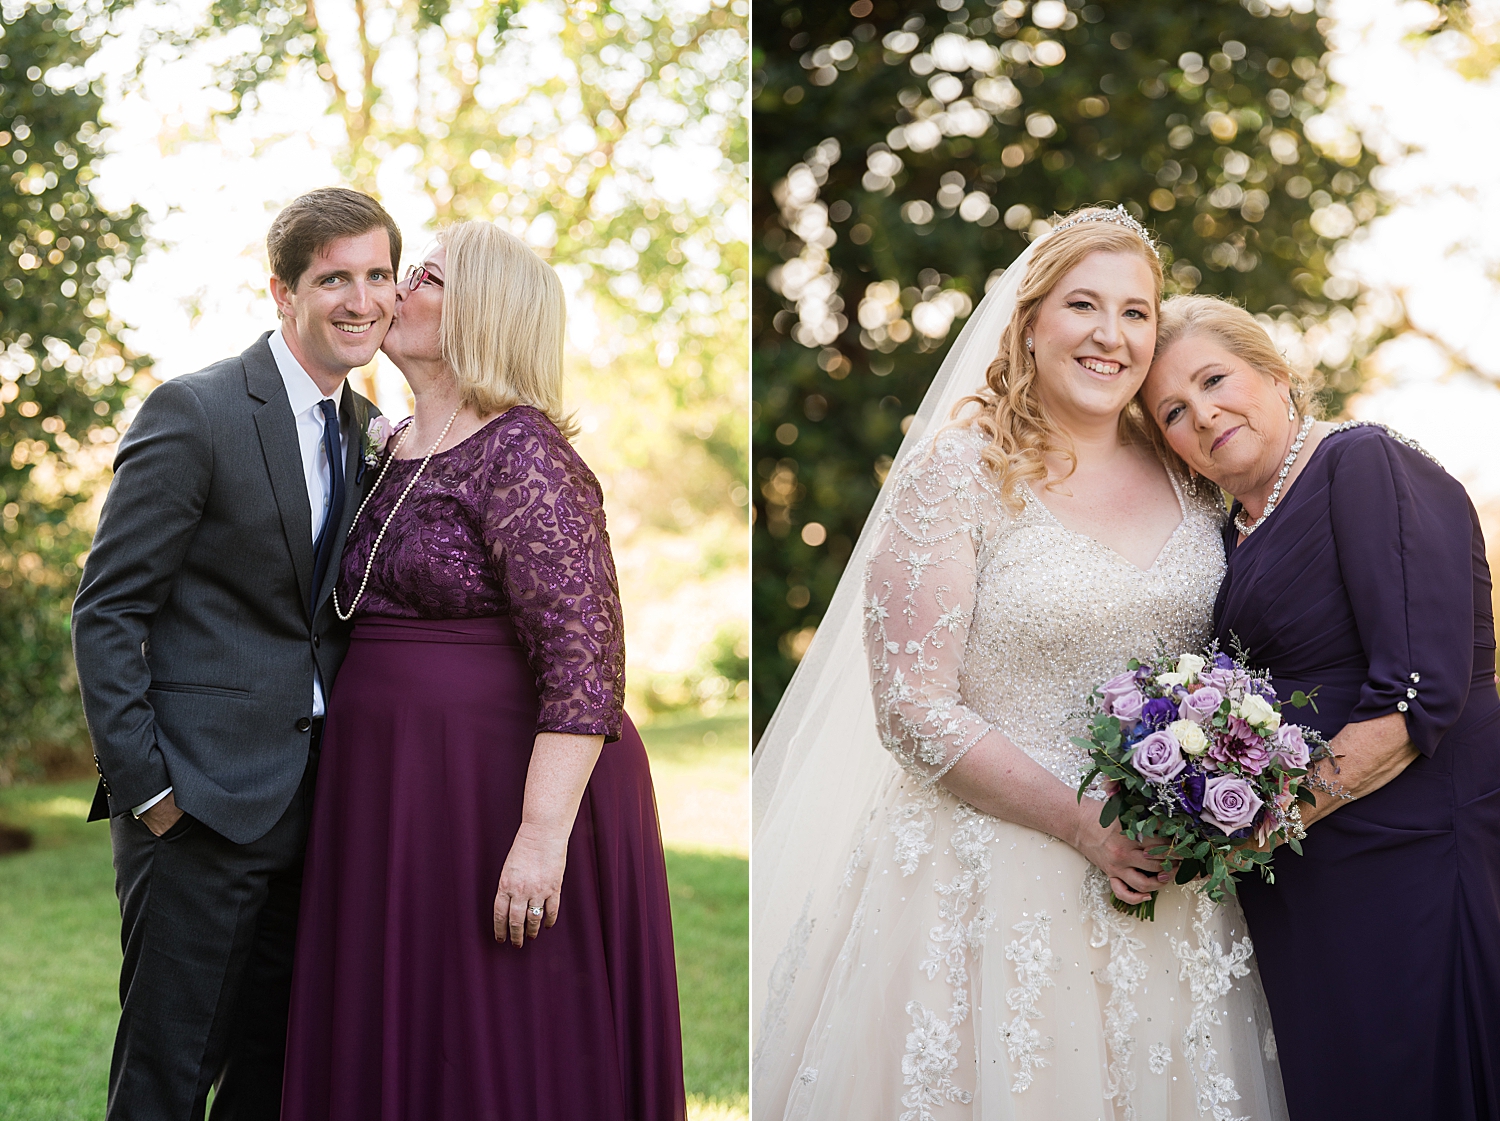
1010,412
502,327
1238,332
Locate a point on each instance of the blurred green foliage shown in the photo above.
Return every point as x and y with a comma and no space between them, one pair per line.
905,153
63,373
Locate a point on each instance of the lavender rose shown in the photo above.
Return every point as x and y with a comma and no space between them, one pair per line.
1158,712
1199,707
1220,677
1157,758
1116,687
1127,706
1230,802
1290,746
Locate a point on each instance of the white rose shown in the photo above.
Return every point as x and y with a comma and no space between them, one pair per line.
1189,737
1167,680
1190,666
1256,711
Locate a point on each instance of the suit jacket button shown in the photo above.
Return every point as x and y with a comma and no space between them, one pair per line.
317,641
304,724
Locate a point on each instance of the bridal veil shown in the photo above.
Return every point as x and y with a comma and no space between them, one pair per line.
817,766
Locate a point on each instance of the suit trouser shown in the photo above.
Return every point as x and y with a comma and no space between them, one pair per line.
208,931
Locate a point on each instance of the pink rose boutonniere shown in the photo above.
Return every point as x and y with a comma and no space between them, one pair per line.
377,435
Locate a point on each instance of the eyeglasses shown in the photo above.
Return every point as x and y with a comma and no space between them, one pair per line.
418,275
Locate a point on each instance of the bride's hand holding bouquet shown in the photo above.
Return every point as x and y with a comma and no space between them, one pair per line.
1194,755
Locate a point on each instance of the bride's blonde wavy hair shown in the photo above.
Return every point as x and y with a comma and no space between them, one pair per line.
1009,410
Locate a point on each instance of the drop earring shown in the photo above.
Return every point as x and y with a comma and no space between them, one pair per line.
1028,346
1291,412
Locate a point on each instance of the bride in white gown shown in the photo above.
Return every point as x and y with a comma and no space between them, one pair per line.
933,936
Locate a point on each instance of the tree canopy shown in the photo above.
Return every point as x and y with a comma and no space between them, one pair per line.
64,374
905,153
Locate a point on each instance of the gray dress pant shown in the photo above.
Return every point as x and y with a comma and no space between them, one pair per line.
208,932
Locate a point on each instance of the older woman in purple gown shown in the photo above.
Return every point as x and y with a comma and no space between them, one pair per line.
477,748
1357,568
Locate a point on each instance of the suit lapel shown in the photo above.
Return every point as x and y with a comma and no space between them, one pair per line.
283,455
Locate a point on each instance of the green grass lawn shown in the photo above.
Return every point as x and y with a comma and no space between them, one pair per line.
60,950
701,770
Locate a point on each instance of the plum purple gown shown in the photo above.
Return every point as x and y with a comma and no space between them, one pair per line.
1380,947
491,614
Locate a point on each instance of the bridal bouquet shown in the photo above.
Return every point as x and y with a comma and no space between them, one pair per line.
1195,756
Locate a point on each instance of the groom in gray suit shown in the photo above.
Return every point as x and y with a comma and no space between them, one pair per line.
206,643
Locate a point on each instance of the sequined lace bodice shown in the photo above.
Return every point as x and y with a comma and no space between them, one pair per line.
979,618
510,521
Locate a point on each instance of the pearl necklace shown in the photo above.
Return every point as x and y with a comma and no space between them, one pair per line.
379,537
1286,465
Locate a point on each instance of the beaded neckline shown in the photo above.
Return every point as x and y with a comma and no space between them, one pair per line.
1031,497
1347,426
1389,431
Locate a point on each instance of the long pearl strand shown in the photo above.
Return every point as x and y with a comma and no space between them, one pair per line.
1286,465
379,537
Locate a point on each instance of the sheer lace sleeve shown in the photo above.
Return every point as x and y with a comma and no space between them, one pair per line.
544,528
919,601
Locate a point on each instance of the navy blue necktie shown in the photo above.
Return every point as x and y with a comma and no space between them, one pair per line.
323,547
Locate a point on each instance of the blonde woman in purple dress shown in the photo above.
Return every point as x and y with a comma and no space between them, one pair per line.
486,930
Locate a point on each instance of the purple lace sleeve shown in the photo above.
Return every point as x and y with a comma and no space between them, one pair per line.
544,528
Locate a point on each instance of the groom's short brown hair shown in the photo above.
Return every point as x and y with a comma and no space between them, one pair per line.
312,221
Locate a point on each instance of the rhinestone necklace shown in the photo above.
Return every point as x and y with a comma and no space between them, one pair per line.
379,537
1286,465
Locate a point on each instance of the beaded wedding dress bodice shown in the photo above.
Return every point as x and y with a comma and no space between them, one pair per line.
969,967
981,618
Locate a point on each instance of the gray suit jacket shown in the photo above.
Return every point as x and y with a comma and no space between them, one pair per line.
191,634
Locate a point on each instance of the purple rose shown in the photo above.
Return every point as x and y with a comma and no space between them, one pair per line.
1241,744
1190,789
1116,687
1223,661
1199,707
1220,677
1230,803
1157,758
1127,706
1290,746
1158,712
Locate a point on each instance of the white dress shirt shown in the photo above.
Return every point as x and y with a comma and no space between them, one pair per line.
305,398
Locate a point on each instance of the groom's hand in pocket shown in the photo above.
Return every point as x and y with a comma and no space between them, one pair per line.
162,816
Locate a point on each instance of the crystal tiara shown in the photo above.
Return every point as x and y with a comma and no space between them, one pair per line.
1119,216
